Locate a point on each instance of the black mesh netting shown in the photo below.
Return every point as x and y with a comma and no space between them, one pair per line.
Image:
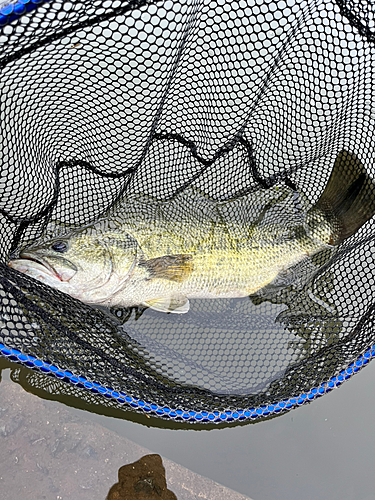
203,109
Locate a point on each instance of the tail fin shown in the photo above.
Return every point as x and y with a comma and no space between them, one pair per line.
348,200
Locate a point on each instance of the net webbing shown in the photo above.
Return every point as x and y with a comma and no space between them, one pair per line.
103,100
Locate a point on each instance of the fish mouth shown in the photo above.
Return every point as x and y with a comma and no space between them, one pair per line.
48,268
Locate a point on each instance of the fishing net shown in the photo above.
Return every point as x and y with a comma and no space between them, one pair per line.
209,108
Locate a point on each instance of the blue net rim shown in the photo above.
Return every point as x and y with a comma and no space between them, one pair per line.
183,415
9,13
13,11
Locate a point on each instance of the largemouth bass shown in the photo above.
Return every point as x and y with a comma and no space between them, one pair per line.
160,261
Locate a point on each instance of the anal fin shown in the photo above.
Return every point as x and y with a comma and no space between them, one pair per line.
169,305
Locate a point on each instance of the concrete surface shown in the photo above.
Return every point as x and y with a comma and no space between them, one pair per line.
47,452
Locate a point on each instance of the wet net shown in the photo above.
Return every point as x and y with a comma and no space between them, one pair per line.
205,110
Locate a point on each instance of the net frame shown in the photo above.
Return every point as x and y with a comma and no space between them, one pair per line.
11,12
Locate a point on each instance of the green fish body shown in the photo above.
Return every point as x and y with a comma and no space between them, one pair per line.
160,254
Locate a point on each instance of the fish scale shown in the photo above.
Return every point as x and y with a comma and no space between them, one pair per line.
160,254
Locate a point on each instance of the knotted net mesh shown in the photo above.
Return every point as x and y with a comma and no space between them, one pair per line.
210,109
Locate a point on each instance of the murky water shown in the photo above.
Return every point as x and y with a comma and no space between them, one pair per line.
322,450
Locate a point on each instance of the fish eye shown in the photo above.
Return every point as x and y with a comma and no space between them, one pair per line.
60,246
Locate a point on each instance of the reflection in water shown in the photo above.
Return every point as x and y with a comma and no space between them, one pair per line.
142,480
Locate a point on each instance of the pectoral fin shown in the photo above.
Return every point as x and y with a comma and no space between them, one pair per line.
170,267
169,304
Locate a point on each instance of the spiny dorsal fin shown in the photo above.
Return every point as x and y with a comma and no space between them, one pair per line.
174,305
170,267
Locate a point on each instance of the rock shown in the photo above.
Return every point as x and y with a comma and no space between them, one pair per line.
142,480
